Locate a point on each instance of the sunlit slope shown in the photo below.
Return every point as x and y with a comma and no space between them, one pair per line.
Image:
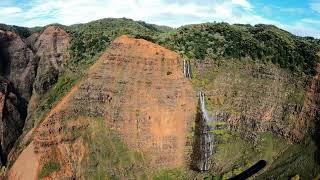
135,90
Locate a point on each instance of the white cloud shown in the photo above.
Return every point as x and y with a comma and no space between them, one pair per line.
164,12
9,10
243,3
301,29
79,11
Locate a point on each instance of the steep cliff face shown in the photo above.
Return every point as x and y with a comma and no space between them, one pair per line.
309,115
17,74
3,93
132,111
28,68
156,102
138,90
18,65
263,112
50,48
255,97
11,123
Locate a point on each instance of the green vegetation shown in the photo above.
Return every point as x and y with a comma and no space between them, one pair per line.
297,159
170,174
108,157
296,177
218,131
217,123
252,70
249,88
264,43
63,85
3,172
235,154
24,32
49,168
89,40
60,89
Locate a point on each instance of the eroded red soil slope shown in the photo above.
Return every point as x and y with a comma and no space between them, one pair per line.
138,88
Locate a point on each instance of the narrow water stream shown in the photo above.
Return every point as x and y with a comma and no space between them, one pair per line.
206,138
187,69
203,137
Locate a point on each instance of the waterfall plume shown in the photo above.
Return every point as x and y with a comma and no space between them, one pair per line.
205,140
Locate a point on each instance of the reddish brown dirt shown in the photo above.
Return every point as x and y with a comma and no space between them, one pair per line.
139,89
310,107
156,103
26,166
62,103
30,157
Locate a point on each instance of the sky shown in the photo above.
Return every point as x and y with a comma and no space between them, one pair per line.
301,17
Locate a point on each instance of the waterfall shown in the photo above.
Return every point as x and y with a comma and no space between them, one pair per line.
203,148
206,139
187,69
203,109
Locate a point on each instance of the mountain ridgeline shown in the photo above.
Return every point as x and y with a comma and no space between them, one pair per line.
260,43
116,98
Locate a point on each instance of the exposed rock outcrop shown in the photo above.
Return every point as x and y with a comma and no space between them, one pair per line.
17,74
28,69
295,130
3,92
260,98
310,115
131,89
50,47
311,107
18,65
31,41
11,123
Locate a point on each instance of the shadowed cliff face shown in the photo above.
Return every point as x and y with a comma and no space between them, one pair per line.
18,65
17,74
28,68
4,63
139,90
11,123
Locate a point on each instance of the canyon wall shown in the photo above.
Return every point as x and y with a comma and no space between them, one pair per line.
28,69
138,90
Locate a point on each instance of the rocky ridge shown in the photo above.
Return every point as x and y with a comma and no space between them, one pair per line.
28,69
140,92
